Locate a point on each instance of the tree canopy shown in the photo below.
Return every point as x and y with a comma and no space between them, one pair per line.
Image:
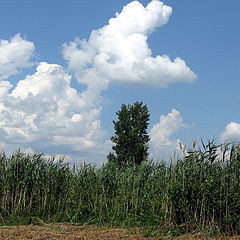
131,137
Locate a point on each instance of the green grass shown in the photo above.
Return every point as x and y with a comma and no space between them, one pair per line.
199,191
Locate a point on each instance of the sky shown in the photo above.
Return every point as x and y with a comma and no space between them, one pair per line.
67,66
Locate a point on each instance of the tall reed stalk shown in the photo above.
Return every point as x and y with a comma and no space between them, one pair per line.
201,189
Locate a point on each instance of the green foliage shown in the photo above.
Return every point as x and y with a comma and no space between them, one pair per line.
200,191
131,137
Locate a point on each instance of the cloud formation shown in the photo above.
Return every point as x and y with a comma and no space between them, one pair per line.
43,112
14,55
161,144
119,51
231,132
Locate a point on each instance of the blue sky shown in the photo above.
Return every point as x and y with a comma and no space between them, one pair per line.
204,34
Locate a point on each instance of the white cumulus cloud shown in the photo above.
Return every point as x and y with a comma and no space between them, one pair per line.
43,112
161,144
14,55
231,132
119,51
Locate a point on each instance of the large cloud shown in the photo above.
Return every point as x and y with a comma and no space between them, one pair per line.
14,54
43,112
161,144
119,51
231,132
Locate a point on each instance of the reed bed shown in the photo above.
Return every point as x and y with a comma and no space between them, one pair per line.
201,190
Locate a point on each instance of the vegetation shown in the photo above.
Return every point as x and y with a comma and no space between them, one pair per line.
200,191
131,137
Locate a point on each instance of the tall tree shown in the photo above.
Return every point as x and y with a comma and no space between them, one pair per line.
131,137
